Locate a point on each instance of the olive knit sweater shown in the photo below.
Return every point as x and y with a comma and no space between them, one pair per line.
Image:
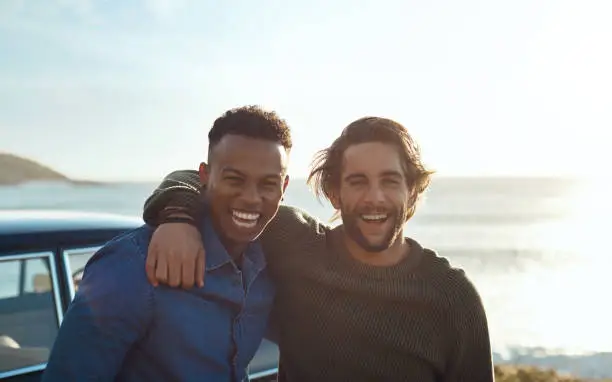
341,320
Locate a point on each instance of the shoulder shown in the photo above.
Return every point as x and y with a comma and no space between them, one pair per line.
120,260
129,246
452,282
294,222
298,217
114,282
291,229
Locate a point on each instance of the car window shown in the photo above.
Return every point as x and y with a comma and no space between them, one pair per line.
76,259
36,270
30,311
9,279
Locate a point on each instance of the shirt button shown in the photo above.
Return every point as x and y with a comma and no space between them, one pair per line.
237,279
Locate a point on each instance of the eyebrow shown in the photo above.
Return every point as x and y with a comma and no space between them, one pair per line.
233,171
354,176
359,175
392,173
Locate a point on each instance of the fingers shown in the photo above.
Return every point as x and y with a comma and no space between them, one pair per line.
174,270
150,265
161,271
193,270
200,267
188,273
175,256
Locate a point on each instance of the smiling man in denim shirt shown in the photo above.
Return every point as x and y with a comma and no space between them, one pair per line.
121,328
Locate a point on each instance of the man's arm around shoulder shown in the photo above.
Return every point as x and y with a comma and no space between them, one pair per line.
290,227
110,312
180,190
472,359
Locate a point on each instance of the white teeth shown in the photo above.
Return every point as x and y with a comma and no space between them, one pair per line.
374,217
245,215
244,219
244,224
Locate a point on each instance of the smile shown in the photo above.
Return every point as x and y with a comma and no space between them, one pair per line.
245,219
374,218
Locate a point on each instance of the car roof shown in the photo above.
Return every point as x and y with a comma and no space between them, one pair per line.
40,221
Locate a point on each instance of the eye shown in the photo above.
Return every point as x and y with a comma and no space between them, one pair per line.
271,185
268,184
233,179
358,183
391,182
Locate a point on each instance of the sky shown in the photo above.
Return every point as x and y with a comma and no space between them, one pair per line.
127,90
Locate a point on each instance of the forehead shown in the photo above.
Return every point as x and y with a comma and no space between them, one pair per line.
249,155
371,158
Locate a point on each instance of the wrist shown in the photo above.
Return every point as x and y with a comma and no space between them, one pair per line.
185,219
175,215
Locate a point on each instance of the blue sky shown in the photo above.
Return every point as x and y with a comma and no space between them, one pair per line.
127,90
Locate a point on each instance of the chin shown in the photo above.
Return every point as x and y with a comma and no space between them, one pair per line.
378,244
245,237
375,248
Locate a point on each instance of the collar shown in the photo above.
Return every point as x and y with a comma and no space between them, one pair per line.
216,254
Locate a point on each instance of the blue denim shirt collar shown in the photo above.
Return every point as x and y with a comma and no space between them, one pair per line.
216,254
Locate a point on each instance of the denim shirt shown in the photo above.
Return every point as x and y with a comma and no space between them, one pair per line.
120,328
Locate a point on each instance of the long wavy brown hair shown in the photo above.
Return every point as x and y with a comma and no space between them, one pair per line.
326,168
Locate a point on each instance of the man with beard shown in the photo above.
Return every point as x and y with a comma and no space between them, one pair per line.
358,302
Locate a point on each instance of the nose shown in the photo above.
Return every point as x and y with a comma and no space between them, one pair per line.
250,196
375,194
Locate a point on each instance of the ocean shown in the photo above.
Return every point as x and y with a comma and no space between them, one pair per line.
535,248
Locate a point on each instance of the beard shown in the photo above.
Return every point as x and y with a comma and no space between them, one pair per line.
350,221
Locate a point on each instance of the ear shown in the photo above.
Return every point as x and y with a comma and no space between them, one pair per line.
204,174
285,184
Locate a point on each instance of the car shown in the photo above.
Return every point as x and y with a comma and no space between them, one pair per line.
42,257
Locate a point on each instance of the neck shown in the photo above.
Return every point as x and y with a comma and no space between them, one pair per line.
234,250
398,250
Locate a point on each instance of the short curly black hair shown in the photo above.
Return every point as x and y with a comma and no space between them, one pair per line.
251,121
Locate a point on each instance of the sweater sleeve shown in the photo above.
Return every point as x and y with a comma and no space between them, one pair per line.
178,189
292,231
472,359
289,230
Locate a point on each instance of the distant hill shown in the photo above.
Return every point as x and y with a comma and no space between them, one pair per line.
15,170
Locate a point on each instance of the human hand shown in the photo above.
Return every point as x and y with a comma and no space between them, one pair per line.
176,256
